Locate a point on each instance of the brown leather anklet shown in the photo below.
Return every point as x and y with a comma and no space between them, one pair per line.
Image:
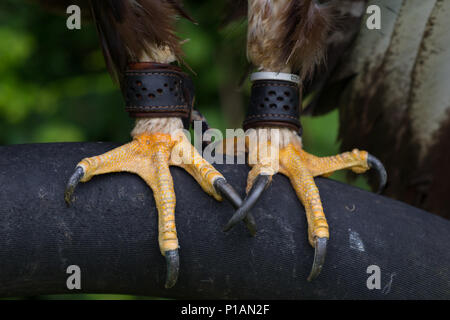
155,90
274,103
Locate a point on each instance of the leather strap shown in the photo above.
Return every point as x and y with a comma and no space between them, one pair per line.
155,90
274,103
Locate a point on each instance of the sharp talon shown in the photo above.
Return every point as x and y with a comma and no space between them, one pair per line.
381,171
320,251
228,192
173,266
250,223
261,183
72,184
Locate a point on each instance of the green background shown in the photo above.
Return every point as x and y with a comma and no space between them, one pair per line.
54,86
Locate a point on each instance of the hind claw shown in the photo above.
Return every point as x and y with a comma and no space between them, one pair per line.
376,164
72,184
320,251
260,184
173,267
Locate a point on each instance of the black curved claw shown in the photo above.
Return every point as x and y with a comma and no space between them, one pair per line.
320,251
228,192
260,184
381,171
72,184
173,266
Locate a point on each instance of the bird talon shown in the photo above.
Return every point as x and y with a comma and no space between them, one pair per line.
260,184
72,184
229,193
320,251
376,164
173,267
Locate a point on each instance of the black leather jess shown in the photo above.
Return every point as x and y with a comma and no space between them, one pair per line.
274,103
156,93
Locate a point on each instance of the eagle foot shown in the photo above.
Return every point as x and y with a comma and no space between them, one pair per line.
301,168
149,156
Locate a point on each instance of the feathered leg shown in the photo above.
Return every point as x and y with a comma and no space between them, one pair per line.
133,34
288,37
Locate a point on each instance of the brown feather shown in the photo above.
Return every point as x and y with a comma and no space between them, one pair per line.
178,6
288,35
347,18
130,28
307,25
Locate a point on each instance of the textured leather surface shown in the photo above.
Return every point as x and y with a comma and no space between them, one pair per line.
159,93
274,103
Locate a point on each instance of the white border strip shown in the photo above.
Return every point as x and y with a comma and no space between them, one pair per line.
275,76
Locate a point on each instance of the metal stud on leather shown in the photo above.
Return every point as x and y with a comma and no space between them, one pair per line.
274,103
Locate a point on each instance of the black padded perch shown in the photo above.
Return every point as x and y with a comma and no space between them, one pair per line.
110,232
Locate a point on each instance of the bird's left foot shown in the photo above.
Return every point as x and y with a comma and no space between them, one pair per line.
301,168
149,155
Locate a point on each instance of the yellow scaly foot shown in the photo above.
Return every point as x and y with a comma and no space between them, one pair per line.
149,156
301,168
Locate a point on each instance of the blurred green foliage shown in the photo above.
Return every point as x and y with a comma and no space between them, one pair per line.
54,86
